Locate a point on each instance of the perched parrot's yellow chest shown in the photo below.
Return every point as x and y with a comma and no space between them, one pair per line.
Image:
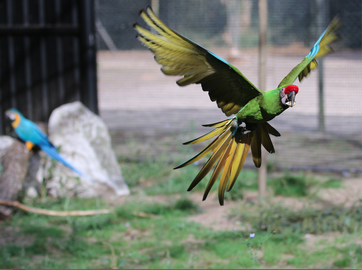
16,122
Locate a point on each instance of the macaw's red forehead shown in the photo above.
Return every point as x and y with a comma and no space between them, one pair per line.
291,88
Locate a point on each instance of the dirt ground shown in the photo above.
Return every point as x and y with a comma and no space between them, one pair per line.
217,217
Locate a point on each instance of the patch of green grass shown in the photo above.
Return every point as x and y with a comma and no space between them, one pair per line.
288,246
180,179
332,183
291,185
342,263
149,169
287,238
247,179
186,205
162,238
351,256
319,256
300,185
177,182
159,238
180,207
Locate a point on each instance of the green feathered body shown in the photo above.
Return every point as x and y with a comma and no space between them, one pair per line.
262,108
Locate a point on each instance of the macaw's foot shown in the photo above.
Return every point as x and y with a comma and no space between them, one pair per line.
241,128
245,128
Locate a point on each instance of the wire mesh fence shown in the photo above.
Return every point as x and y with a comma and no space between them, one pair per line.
137,99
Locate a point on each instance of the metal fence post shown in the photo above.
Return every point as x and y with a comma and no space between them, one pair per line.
263,25
320,19
88,55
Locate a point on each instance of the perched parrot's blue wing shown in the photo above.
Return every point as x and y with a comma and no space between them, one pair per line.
51,151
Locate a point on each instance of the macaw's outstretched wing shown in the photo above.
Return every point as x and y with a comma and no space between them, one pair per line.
180,56
320,48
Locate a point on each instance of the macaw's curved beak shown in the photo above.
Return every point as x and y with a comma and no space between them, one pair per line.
291,98
8,114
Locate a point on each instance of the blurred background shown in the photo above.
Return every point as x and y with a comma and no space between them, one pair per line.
316,134
54,52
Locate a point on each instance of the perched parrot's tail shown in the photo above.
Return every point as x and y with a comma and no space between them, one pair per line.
230,149
51,151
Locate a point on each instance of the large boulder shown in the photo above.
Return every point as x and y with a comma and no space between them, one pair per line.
84,141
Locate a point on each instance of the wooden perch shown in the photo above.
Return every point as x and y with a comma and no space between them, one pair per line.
54,213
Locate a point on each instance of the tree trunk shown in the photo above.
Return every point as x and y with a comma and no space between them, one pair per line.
15,165
30,178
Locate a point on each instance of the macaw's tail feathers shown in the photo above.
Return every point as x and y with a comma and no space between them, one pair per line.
259,137
51,151
229,150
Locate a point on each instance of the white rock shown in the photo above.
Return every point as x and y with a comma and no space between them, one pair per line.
86,144
31,192
5,143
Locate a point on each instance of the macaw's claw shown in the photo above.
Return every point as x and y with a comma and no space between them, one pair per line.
245,128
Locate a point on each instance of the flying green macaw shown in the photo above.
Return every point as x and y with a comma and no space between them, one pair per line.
234,95
32,135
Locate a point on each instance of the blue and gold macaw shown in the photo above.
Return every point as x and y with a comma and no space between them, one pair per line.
32,135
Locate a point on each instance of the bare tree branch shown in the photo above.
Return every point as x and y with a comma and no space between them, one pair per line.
52,212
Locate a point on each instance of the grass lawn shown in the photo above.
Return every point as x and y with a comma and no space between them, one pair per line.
304,223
